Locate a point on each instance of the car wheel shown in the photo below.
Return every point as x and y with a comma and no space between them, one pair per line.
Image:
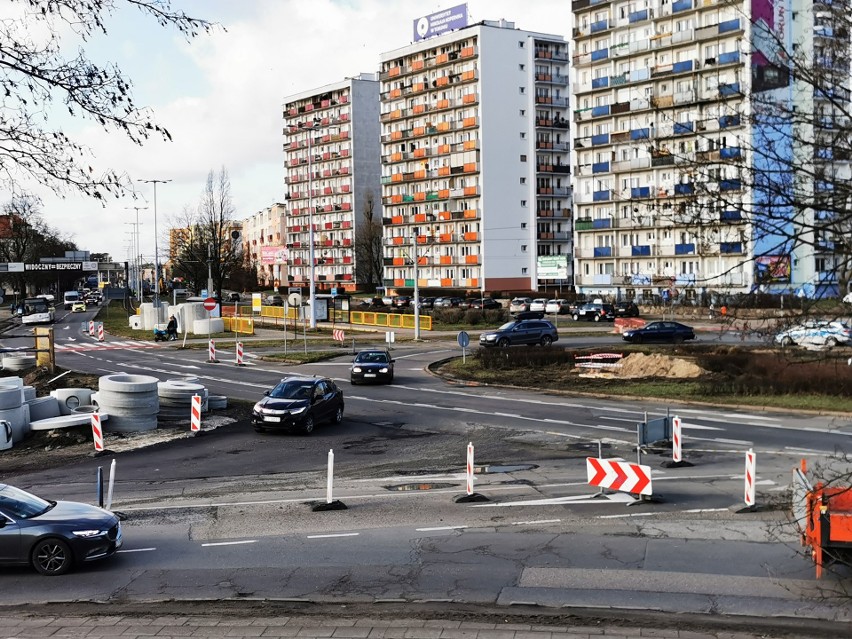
546,340
678,339
390,379
503,343
308,426
338,415
52,557
576,317
831,342
597,318
638,339
786,341
353,382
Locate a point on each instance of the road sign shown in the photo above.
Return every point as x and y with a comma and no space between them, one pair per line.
619,475
294,299
209,304
463,339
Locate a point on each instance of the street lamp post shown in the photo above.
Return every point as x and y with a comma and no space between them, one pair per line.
416,291
156,250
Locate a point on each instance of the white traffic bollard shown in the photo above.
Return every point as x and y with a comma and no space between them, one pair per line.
677,442
111,484
330,481
470,468
750,475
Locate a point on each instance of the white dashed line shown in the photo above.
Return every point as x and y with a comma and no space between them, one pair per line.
231,543
440,528
137,550
352,534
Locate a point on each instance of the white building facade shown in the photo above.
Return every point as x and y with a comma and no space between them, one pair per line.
263,239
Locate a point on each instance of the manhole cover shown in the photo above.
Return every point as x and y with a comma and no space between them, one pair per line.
423,486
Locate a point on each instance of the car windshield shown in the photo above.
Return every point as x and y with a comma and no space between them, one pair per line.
507,326
21,504
371,358
37,305
293,389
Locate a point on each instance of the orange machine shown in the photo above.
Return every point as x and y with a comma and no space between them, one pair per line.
824,516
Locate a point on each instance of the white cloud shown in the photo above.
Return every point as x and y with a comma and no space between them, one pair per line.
221,96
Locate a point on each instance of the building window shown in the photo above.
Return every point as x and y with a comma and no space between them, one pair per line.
523,113
520,44
522,90
523,158
521,67
523,135
523,248
524,203
523,180
523,225
524,270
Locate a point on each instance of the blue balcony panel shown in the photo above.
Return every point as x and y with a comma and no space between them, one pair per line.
685,279
730,185
601,138
729,153
729,120
641,280
731,216
728,58
639,75
600,83
603,223
637,192
599,111
684,189
643,250
638,16
681,5
600,25
603,251
600,167
600,196
600,54
682,128
729,89
640,134
684,249
729,25
730,247
682,67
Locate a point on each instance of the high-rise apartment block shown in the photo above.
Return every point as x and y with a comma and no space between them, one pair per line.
475,164
333,172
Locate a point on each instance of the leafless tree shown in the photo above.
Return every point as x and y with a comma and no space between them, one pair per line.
36,72
369,259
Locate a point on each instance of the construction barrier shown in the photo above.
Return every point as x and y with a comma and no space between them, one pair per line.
242,325
97,433
627,323
620,475
390,320
91,328
211,350
100,331
239,354
677,442
469,472
750,469
195,415
338,335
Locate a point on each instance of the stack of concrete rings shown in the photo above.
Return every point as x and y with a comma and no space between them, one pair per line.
176,398
130,400
12,408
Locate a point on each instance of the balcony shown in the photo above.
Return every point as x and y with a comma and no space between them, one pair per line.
728,90
681,5
682,67
600,83
600,54
600,196
729,248
600,167
602,223
728,121
640,250
603,251
730,153
640,192
638,16
729,26
731,216
683,128
684,249
600,111
602,138
730,185
640,134
729,58
684,189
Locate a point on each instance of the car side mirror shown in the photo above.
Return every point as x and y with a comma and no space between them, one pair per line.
2,522
266,392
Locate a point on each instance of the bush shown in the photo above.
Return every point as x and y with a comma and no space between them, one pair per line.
524,358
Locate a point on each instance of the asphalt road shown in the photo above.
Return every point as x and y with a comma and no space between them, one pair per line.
228,515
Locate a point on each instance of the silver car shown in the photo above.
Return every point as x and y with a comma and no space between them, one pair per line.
519,305
816,333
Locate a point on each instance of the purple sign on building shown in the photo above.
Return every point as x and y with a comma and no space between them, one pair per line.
440,22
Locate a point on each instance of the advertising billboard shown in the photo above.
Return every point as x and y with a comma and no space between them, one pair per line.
770,44
772,269
552,267
273,254
441,22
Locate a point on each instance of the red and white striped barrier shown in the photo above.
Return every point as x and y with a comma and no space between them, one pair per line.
100,331
470,468
619,475
195,417
239,361
97,433
91,328
338,335
677,440
750,470
211,350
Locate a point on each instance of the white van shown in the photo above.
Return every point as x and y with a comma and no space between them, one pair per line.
70,297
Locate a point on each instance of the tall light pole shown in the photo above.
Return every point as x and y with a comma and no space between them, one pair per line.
156,250
312,296
138,253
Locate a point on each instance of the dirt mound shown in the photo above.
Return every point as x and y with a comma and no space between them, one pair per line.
642,365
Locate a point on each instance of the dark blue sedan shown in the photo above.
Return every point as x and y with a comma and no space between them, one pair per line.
668,332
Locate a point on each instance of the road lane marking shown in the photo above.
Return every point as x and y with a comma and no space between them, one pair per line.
536,521
351,534
230,543
137,550
439,528
691,511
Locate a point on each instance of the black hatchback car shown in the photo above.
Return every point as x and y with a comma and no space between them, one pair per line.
371,366
521,332
672,332
595,313
299,403
626,309
53,536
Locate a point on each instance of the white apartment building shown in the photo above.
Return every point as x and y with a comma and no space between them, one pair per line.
263,245
475,159
332,173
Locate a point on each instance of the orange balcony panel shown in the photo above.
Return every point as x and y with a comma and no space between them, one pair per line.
420,175
328,208
471,236
471,259
442,104
443,126
396,114
469,167
470,214
469,122
468,75
445,215
420,217
346,206
446,259
469,145
444,148
398,240
473,282
446,282
399,282
416,65
396,199
396,135
419,108
467,52
469,98
347,260
396,177
445,237
393,72
442,58
420,153
396,157
470,190
345,188
399,261
347,242
418,86
443,194
397,219
442,81
443,170
395,93
420,196
328,225
421,239
419,130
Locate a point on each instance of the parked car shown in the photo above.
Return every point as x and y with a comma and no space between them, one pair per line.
299,403
273,300
557,307
401,301
427,302
626,309
519,304
529,315
538,304
447,302
53,536
521,332
673,332
374,365
816,333
595,312
233,297
486,304
375,302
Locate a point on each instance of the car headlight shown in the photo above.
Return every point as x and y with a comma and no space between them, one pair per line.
298,411
356,369
383,370
490,337
258,408
86,533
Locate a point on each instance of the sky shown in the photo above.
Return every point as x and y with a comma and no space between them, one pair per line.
221,96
